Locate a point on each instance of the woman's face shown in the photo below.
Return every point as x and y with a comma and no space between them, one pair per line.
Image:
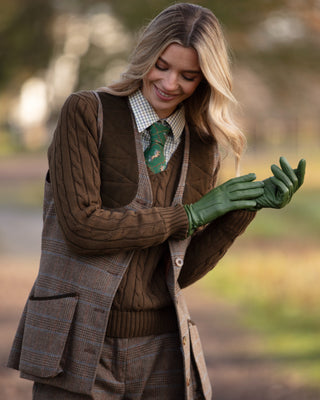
173,78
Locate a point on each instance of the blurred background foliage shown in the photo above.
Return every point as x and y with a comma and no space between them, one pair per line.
26,43
49,48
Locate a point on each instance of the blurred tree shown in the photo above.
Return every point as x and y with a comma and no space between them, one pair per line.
25,39
234,14
275,43
257,30
26,43
263,34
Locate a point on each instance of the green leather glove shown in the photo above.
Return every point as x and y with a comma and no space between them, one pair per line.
235,194
279,189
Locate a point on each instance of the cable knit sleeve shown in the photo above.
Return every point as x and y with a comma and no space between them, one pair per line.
209,245
75,178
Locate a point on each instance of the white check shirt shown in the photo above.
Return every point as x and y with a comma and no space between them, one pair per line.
145,116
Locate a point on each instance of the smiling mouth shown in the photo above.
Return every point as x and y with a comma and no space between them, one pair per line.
163,95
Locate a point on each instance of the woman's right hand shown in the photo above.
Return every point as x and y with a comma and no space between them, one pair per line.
235,194
279,188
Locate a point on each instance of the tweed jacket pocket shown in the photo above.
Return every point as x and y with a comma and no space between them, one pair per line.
47,327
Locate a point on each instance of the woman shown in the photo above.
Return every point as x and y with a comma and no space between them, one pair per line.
132,214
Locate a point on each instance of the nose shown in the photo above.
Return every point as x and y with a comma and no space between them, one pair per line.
170,82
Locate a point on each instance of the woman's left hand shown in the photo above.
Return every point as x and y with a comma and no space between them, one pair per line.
279,189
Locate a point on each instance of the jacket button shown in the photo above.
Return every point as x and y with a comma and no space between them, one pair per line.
188,381
179,262
184,340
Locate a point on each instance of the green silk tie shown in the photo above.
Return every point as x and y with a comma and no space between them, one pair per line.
154,154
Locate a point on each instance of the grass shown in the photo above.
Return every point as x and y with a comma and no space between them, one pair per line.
299,221
277,288
273,272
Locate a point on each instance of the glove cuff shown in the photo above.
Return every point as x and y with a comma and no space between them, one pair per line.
190,215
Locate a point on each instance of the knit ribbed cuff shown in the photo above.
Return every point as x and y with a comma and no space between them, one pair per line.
176,221
237,221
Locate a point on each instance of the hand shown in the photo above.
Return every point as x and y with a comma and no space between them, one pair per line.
279,189
235,194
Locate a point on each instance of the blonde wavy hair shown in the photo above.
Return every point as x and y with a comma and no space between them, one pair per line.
208,109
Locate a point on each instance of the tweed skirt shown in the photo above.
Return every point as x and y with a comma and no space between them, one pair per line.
146,368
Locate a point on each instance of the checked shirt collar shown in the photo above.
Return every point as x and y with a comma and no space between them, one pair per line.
145,115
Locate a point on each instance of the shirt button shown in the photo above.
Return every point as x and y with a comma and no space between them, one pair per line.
179,262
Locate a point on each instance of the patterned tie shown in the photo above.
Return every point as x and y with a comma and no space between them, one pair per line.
154,154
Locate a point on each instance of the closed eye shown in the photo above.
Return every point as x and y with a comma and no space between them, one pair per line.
188,79
160,68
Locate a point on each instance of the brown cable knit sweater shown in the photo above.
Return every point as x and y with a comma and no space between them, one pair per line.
142,305
86,182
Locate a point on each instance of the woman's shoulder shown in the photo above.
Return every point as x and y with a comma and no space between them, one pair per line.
91,96
111,98
87,101
82,99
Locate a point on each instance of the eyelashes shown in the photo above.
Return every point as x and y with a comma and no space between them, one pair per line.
161,68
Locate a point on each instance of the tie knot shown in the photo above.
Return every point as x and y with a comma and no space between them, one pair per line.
158,132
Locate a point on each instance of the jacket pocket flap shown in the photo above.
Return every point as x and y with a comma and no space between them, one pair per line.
47,327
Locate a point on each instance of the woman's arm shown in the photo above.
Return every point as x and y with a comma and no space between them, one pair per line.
75,177
209,245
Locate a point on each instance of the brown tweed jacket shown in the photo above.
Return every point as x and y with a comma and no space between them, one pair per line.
61,332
